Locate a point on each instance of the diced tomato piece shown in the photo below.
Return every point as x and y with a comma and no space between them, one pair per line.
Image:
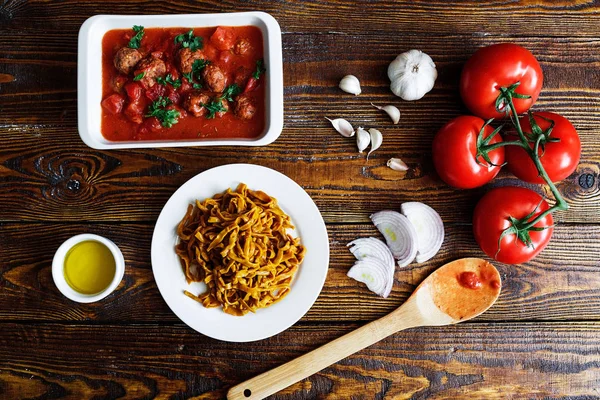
172,94
114,103
157,54
223,38
119,81
152,124
185,86
155,92
134,91
224,58
135,112
251,84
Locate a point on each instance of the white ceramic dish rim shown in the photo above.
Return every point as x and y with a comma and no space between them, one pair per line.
58,268
266,322
89,69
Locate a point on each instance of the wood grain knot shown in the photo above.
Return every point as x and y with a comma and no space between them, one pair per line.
6,78
586,180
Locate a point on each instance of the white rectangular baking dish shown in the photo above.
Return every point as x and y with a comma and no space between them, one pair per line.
89,74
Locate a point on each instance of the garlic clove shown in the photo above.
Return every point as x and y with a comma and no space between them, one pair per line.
392,111
397,164
342,126
362,139
376,140
350,84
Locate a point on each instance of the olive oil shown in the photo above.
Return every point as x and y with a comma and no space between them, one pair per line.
89,267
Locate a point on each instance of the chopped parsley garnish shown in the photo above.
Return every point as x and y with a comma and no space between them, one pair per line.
139,77
197,67
214,107
157,109
189,40
230,91
136,40
260,68
168,79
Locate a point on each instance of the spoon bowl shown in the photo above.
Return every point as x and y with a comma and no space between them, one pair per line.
456,292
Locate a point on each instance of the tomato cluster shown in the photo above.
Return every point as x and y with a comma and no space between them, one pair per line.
510,224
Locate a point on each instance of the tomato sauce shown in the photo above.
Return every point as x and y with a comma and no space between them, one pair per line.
238,66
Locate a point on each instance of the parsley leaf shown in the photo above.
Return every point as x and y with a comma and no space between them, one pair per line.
214,107
189,40
136,40
260,68
157,109
198,65
230,91
139,77
169,79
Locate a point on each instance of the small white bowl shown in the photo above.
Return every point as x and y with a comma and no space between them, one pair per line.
58,268
89,74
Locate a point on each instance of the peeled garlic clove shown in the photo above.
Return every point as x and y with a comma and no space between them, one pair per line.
376,140
350,84
397,164
392,111
342,126
362,139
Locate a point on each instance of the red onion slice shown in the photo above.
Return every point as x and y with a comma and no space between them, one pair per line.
429,228
373,248
374,273
400,235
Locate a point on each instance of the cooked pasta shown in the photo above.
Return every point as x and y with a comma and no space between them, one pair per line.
237,244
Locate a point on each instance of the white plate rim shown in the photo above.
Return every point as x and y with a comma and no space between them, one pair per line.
266,322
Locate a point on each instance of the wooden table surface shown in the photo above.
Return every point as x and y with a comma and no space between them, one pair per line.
540,340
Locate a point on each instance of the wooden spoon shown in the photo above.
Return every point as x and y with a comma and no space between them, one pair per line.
455,292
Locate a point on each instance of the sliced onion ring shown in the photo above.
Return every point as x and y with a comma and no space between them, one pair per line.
400,235
367,248
428,226
374,273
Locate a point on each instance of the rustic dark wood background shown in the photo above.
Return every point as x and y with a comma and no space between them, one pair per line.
541,339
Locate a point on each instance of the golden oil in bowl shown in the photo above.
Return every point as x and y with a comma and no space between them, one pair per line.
89,267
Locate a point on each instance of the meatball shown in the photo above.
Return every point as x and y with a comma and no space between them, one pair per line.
214,78
243,107
242,47
194,102
152,67
126,59
225,107
186,58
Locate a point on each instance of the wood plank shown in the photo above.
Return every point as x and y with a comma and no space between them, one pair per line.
545,360
430,18
560,284
56,178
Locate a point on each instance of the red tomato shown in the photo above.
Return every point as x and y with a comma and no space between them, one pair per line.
454,151
491,218
156,91
559,159
113,103
223,38
499,65
134,91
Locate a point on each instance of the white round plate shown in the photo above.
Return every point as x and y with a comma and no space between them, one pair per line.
306,285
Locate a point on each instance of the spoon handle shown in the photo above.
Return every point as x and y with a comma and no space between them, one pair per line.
287,374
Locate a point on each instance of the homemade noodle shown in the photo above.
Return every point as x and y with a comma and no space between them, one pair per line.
237,244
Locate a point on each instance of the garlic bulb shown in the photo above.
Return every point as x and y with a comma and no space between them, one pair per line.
397,164
342,126
376,140
362,139
392,111
350,84
412,74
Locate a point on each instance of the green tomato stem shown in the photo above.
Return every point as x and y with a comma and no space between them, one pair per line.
560,204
